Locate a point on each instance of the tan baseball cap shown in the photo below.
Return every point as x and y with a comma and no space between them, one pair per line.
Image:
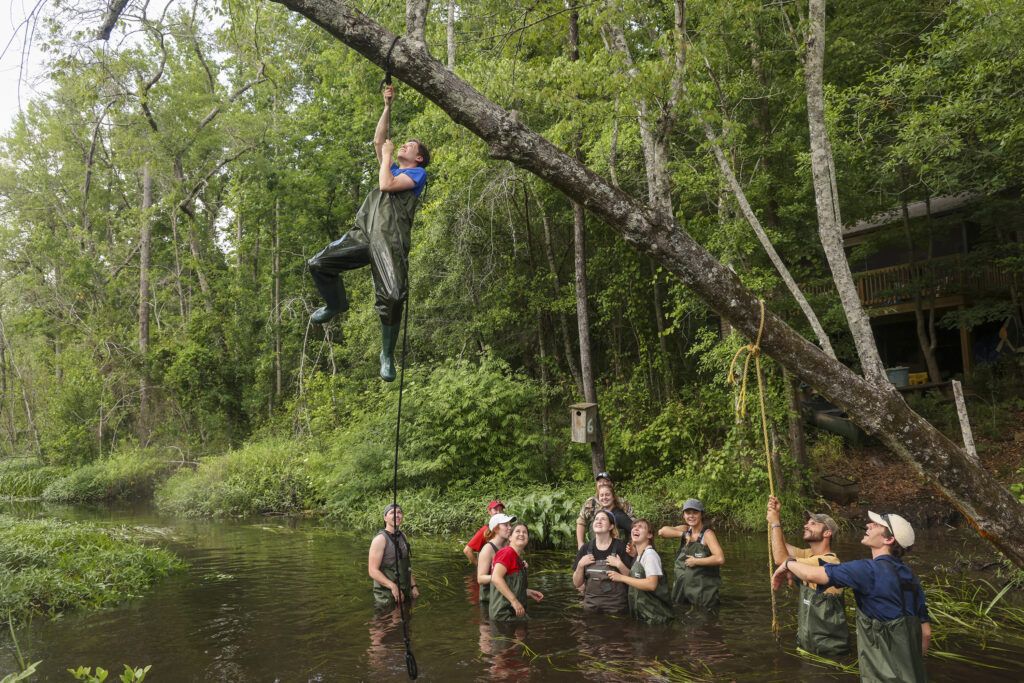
897,526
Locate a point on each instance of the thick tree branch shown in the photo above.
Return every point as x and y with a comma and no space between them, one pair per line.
114,11
993,510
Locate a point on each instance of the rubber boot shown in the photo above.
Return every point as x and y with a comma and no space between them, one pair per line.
389,337
333,292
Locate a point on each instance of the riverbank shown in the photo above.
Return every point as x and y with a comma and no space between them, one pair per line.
49,567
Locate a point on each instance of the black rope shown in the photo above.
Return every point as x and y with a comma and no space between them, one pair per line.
387,64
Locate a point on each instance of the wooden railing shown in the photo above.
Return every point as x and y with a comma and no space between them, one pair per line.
940,277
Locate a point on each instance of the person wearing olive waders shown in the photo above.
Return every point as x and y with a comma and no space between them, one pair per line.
649,598
389,564
380,239
821,616
699,560
893,626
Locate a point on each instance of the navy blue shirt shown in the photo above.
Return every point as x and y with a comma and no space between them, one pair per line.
418,175
876,588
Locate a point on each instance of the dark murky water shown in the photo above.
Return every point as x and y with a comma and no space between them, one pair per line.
284,600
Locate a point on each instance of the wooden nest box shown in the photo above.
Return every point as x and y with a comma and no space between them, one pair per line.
584,422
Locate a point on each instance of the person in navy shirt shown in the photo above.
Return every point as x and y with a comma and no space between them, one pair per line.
893,626
380,238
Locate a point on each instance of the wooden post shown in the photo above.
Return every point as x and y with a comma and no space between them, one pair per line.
965,424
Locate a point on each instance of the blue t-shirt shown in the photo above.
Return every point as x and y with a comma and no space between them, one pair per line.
876,587
418,175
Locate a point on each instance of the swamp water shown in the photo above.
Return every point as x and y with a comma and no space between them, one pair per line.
289,600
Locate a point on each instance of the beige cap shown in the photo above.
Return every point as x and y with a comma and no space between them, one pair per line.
897,526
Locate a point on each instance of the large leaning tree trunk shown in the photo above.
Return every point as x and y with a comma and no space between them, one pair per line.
993,510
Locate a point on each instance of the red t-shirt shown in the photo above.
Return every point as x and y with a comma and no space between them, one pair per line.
510,558
477,542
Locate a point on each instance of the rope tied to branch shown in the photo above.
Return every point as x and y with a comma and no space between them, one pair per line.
754,351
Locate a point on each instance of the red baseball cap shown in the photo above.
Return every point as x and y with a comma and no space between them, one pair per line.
494,504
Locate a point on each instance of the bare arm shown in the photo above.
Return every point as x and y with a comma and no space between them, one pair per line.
648,583
387,181
672,531
373,566
926,636
717,557
483,565
380,134
470,555
579,574
581,534
780,549
804,572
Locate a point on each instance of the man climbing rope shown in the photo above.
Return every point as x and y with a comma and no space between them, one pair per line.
379,239
821,617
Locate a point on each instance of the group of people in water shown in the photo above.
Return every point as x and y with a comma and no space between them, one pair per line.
617,571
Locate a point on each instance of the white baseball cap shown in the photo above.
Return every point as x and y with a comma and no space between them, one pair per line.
500,518
897,526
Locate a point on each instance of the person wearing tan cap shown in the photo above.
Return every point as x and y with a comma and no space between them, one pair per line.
821,616
893,626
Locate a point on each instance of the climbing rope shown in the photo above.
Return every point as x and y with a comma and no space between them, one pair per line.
754,351
410,659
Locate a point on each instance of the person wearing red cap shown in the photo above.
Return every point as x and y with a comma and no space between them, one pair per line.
477,542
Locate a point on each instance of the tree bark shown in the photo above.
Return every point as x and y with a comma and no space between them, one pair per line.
924,324
450,34
276,304
416,21
826,199
741,199
877,409
144,262
597,459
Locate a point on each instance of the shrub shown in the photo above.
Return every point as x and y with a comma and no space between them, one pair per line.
49,567
271,476
125,475
25,478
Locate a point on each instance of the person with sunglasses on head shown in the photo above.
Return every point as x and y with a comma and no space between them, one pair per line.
821,627
470,550
596,561
604,498
893,625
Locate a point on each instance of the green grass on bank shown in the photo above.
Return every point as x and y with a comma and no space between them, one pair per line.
26,478
49,567
125,475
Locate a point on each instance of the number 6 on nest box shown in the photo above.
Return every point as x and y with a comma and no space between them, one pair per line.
584,422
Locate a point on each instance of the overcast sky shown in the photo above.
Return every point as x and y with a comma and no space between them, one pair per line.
17,85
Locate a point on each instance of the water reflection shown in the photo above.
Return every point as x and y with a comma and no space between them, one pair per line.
290,601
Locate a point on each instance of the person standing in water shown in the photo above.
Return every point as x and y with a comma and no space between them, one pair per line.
698,576
649,597
821,615
509,579
596,561
477,542
495,538
390,563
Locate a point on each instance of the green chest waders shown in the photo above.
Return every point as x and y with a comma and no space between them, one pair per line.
653,607
890,651
500,608
695,585
397,566
601,594
821,623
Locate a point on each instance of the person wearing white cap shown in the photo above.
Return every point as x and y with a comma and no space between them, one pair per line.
821,615
495,538
893,626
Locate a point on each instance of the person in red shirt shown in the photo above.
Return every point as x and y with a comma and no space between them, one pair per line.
509,578
477,542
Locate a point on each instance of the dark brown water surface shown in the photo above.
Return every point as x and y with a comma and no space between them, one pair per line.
286,600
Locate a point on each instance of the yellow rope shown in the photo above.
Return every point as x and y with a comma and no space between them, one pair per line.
754,351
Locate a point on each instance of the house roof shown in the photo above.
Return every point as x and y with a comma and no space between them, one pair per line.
939,206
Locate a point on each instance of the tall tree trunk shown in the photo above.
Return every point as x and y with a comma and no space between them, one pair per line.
277,299
926,339
144,262
826,199
579,231
450,34
563,323
597,459
659,321
178,285
877,409
416,20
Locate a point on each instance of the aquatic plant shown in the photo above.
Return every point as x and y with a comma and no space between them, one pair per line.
49,567
129,675
27,477
125,475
